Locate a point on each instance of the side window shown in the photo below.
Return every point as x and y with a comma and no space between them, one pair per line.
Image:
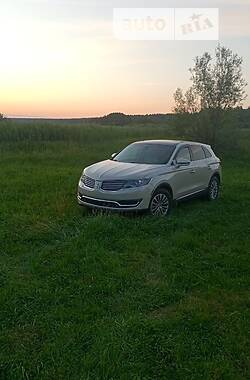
183,154
197,153
207,153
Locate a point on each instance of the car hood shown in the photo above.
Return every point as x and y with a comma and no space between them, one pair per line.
108,169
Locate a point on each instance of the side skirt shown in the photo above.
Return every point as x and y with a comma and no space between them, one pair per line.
191,195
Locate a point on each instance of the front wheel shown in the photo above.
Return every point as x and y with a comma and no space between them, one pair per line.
213,189
161,203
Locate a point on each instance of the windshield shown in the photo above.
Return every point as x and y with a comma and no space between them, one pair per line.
145,153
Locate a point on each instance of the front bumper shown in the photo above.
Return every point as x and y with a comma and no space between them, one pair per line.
124,200
113,205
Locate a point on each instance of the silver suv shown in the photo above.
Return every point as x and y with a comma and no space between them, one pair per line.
150,175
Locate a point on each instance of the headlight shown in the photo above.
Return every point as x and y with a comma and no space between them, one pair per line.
81,180
136,183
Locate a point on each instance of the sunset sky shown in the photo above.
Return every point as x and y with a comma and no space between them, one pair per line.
59,58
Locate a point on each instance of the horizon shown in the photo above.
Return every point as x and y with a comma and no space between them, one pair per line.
91,117
62,60
82,117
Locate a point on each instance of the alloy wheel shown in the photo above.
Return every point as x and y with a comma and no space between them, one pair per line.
160,205
214,189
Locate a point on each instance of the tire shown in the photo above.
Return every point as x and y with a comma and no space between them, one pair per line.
213,189
161,203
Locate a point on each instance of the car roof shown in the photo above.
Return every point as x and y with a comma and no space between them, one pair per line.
166,142
195,143
169,142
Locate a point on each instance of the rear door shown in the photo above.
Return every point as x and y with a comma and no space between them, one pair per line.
201,170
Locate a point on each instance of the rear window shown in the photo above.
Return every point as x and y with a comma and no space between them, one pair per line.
197,153
207,153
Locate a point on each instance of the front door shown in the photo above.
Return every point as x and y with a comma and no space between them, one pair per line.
183,176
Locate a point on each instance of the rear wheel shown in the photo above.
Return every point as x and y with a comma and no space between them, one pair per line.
161,203
213,189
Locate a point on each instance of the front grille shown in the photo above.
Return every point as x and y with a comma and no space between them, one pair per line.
113,185
89,182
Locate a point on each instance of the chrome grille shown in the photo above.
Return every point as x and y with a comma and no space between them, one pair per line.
113,185
89,182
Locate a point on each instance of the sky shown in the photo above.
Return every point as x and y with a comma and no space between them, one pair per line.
60,58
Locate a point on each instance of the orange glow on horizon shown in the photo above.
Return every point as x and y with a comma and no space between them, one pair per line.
62,65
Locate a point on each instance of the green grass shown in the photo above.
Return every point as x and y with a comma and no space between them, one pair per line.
116,297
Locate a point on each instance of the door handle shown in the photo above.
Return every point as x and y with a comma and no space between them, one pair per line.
192,171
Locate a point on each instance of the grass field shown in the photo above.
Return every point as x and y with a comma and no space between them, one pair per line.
117,297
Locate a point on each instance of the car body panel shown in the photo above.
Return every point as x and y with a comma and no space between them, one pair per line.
111,170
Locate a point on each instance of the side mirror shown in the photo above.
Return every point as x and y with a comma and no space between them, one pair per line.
182,162
113,156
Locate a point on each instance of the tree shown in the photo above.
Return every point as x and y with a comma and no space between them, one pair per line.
217,86
116,118
1,116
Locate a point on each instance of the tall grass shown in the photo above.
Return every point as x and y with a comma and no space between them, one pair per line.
38,136
11,132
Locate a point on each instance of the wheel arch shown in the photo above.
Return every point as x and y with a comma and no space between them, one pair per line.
165,186
217,175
